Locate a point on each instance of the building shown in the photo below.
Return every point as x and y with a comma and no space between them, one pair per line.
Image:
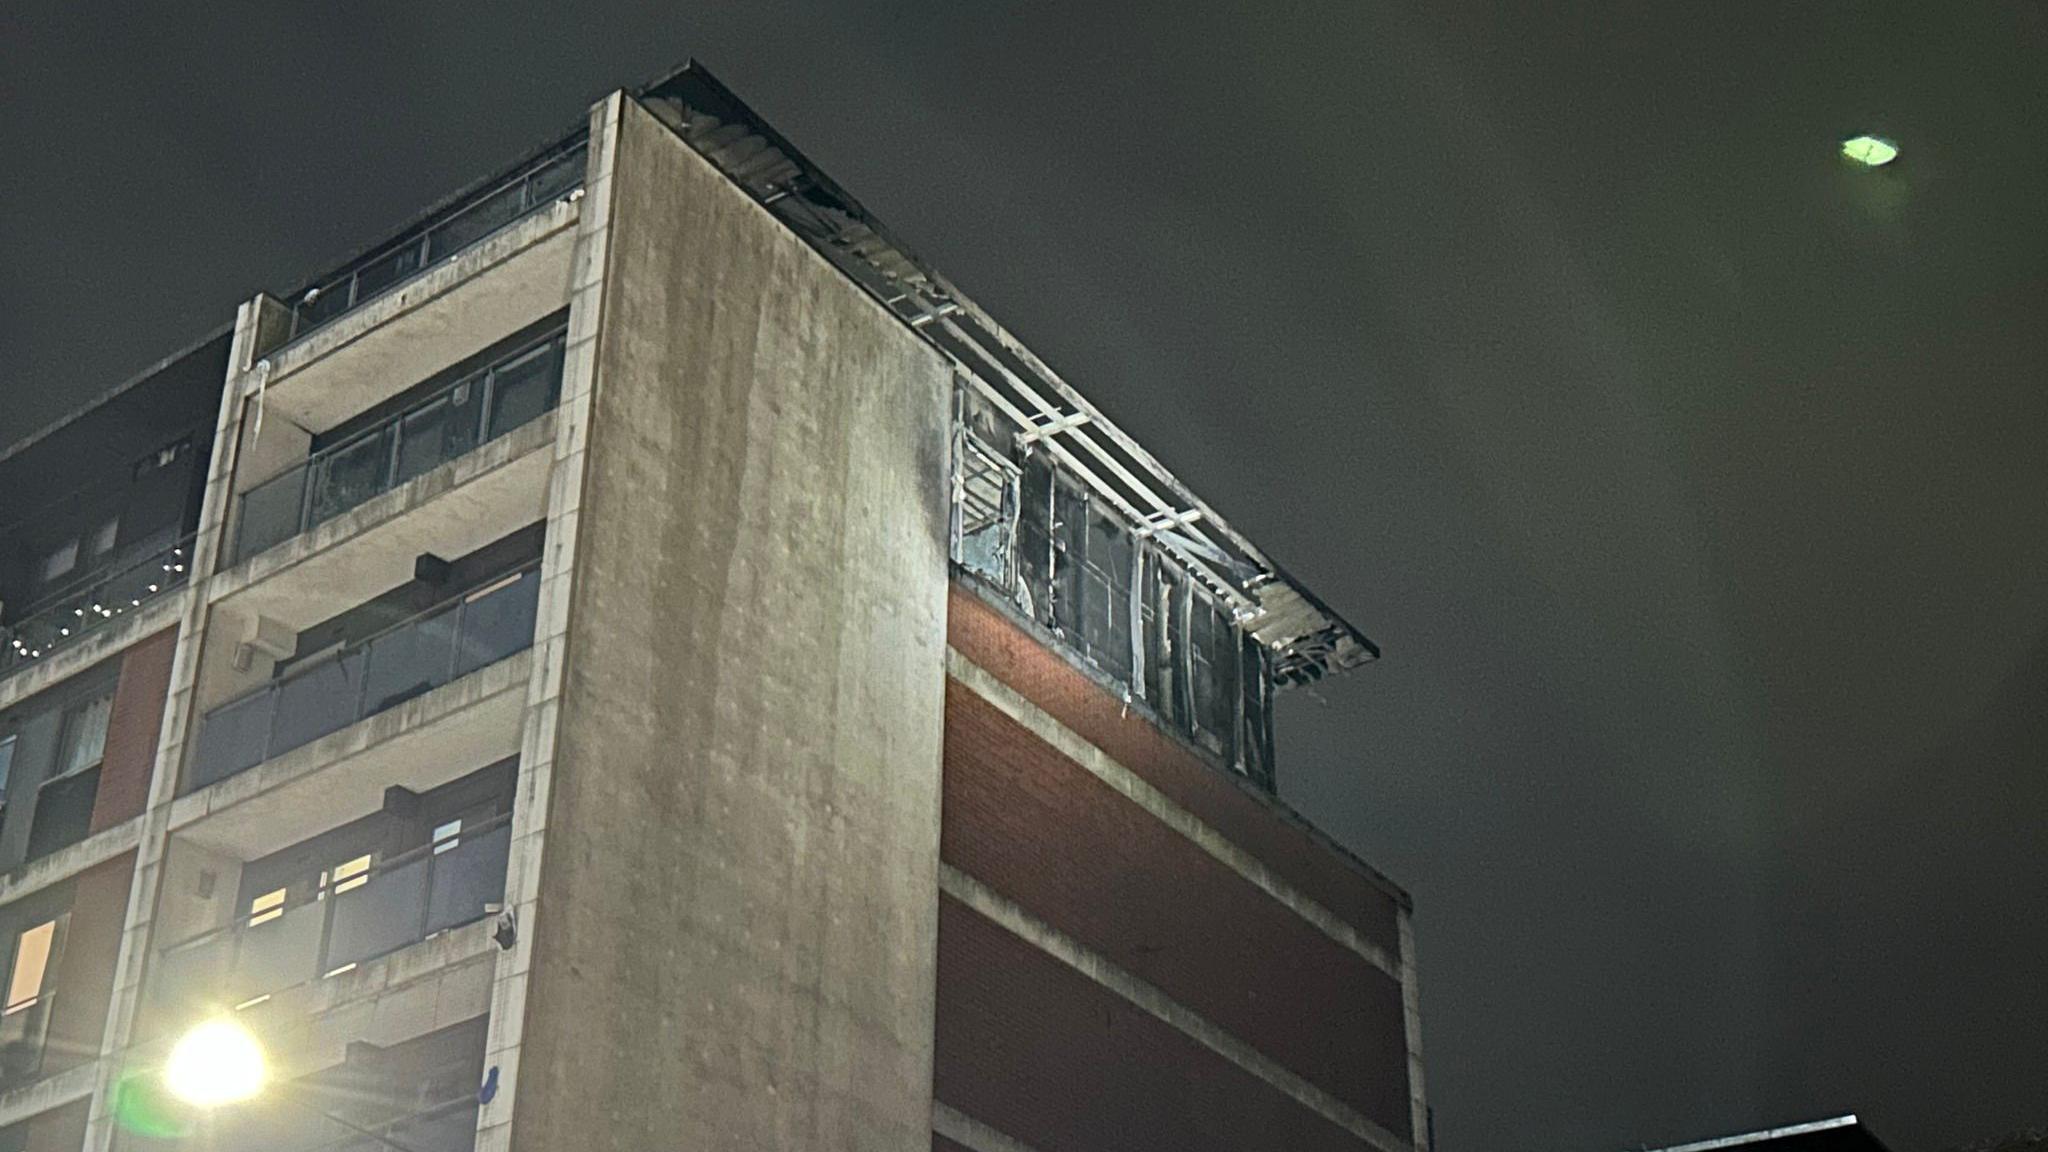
659,667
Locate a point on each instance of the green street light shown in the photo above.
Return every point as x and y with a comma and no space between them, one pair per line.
217,1062
1870,151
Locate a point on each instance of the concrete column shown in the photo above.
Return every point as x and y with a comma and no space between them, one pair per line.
734,931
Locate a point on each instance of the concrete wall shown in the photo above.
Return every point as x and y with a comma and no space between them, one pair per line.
734,939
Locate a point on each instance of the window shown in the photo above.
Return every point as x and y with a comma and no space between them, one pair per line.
269,906
6,766
447,836
103,539
35,952
351,874
84,739
61,561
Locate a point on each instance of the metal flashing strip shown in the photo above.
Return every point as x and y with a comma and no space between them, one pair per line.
1307,637
1766,1134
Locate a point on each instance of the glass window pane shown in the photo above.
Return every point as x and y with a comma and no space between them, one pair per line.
382,273
322,307
437,432
409,660
279,952
1212,650
6,764
85,735
555,180
270,513
468,878
351,474
525,388
31,960
379,917
61,561
498,622
232,738
480,220
319,700
63,814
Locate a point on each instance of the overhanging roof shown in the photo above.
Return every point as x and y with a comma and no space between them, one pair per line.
1307,637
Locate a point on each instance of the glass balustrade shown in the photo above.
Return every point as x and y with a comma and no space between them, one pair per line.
403,901
476,409
62,620
434,648
537,185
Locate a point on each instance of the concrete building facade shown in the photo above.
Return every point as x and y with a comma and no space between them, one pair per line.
651,664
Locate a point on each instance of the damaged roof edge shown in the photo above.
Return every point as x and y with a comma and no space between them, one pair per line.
1272,605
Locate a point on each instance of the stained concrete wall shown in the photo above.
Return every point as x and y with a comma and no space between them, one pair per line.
737,909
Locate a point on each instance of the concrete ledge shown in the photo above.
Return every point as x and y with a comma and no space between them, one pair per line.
106,641
425,742
450,510
436,318
416,990
65,863
1021,923
54,1091
970,1133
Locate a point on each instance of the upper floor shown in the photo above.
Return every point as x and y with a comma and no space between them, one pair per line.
99,513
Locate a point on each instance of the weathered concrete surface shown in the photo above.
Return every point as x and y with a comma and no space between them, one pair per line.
736,921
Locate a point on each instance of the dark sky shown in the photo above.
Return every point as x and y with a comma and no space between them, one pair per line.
1693,484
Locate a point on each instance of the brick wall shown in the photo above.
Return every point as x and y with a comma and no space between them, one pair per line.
132,730
1256,823
1053,1059
1046,1056
1034,825
85,975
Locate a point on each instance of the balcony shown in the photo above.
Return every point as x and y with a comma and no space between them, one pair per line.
441,293
410,659
90,609
400,902
534,187
473,411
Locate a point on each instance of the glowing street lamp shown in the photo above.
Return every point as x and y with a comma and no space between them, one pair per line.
217,1062
1869,151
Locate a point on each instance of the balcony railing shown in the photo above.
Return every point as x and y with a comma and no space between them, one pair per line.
403,901
67,617
24,1034
537,185
476,409
434,648
445,1126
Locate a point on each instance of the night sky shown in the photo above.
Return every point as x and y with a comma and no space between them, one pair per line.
1692,482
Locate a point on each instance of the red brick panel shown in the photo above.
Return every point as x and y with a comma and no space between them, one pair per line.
1026,820
132,730
1044,1055
1259,826
85,973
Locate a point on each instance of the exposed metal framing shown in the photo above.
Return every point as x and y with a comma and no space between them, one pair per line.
1306,637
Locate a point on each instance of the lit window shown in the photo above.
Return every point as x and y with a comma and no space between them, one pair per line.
103,540
63,560
447,836
351,874
32,952
266,907
84,739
